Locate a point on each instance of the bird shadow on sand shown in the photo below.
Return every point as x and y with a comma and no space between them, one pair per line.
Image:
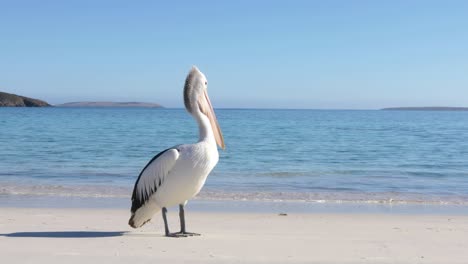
67,234
79,234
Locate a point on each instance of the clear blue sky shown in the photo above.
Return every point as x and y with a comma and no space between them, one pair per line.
294,54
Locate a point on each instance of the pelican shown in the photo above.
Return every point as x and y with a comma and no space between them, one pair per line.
177,174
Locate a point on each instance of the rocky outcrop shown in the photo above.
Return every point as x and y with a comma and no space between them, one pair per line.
14,100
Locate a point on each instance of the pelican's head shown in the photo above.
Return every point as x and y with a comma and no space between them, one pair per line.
196,100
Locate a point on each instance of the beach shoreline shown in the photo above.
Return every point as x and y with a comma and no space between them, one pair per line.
76,229
240,206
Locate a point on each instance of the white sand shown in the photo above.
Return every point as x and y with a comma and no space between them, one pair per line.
93,236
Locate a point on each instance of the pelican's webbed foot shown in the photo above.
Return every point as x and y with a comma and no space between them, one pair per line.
176,235
190,234
182,234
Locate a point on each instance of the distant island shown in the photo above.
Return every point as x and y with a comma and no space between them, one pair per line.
428,108
13,100
110,104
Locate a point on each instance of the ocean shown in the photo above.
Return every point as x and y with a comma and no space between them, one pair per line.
319,156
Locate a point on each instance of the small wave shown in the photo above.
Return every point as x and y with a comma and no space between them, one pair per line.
334,197
326,196
65,190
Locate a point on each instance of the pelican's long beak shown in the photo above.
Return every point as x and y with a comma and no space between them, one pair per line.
206,108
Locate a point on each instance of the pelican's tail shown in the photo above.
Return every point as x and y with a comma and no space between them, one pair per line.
143,214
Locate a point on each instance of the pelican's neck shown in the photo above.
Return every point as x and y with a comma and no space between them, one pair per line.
204,128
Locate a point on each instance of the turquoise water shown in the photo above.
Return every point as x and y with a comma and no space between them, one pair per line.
306,155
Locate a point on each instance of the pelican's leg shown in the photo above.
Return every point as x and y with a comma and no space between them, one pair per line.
182,222
166,226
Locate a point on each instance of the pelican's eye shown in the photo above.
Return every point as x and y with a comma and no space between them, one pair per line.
206,83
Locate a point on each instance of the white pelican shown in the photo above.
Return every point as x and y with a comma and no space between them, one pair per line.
177,174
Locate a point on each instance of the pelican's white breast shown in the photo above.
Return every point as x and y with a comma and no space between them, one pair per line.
188,175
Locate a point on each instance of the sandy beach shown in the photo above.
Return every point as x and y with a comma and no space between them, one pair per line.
44,235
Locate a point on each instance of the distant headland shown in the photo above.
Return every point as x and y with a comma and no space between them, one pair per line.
428,108
13,100
110,104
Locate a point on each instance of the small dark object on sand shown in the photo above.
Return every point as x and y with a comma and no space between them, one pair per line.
283,214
